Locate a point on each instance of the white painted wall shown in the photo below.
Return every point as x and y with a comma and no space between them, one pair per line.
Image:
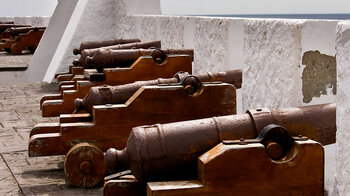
50,40
91,20
342,186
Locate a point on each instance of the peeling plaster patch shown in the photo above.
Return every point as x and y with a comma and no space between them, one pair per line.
318,75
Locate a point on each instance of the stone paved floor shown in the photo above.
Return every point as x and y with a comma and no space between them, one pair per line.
9,61
21,175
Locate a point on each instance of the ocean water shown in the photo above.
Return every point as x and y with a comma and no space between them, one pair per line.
290,16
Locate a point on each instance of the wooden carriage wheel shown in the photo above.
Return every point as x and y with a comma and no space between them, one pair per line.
16,49
84,165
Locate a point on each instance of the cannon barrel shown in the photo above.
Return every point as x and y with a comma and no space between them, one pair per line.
7,22
90,52
18,30
125,58
3,27
102,95
167,151
97,44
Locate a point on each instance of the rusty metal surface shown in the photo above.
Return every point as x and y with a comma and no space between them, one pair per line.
18,30
124,58
28,40
90,52
3,27
97,44
172,149
101,95
7,22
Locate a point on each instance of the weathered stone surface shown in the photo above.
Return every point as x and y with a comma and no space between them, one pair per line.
210,45
32,20
21,175
8,185
342,179
271,64
150,28
319,75
14,61
10,140
172,32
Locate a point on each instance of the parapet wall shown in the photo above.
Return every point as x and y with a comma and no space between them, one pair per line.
343,109
28,20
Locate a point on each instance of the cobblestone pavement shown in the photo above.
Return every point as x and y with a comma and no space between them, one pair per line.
21,175
9,60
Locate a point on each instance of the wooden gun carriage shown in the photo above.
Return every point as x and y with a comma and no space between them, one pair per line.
22,38
144,68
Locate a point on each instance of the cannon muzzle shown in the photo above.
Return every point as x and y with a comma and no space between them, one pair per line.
168,151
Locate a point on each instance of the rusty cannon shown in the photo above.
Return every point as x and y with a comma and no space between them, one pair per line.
98,44
13,31
124,58
23,38
102,95
3,27
7,22
90,52
109,125
5,35
91,45
79,64
144,68
221,153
